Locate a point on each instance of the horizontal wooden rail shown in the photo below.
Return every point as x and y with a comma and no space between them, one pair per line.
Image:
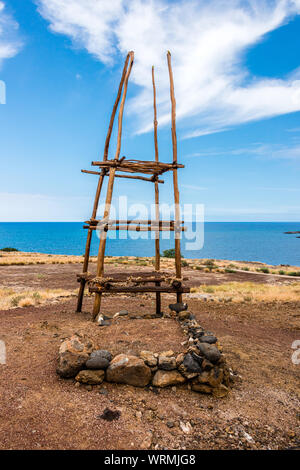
141,289
131,221
135,228
143,178
138,166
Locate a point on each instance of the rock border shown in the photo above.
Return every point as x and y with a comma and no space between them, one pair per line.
202,365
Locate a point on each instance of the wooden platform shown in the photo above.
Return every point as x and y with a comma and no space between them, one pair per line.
133,282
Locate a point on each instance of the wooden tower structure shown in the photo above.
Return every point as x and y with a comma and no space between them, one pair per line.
155,281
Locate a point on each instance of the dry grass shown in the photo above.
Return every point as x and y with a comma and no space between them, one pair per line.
10,298
251,292
22,259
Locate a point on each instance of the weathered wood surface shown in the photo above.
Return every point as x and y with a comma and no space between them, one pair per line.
112,289
151,276
142,178
100,183
139,166
129,168
175,176
134,228
157,244
102,244
132,221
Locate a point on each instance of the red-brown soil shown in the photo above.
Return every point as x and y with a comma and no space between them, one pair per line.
38,410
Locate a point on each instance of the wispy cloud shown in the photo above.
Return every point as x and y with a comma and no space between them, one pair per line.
208,41
280,189
9,42
274,151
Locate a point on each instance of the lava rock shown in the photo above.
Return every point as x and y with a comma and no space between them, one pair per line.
184,315
73,354
201,388
206,365
210,339
104,323
99,359
166,363
163,378
190,364
221,391
149,358
196,332
179,359
197,358
209,351
129,370
123,313
214,377
178,307
90,377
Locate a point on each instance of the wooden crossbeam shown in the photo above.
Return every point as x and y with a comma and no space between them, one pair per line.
139,166
143,178
135,228
140,279
119,289
132,221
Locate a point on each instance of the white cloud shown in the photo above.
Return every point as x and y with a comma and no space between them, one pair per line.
208,41
276,151
9,44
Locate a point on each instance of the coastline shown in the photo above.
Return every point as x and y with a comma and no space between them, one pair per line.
20,258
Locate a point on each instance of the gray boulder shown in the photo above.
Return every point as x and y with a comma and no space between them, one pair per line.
99,359
178,307
210,351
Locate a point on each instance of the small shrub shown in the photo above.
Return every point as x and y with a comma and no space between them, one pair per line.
15,300
184,264
169,253
294,273
209,262
141,263
8,249
263,270
209,289
229,270
282,272
26,302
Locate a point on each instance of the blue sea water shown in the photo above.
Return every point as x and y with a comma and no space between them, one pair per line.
247,241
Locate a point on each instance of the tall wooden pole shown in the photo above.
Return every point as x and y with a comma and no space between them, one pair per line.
99,187
101,252
175,178
157,249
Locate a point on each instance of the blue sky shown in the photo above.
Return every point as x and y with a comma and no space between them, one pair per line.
237,84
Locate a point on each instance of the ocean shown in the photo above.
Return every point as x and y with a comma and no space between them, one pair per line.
244,241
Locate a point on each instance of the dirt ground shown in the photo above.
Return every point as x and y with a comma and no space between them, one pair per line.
38,410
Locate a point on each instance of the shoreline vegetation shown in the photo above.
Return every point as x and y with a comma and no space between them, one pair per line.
220,281
13,257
